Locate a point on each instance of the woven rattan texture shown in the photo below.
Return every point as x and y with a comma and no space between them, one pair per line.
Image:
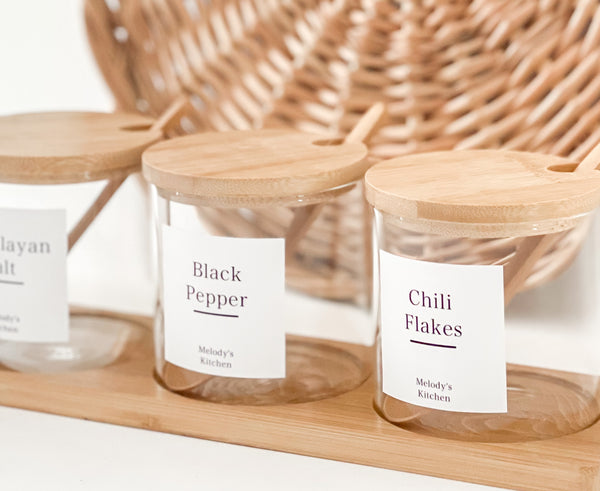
518,74
521,74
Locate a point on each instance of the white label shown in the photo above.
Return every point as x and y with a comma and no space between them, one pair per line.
442,334
33,276
223,301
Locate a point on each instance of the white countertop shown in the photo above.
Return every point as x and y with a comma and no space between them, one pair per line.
47,452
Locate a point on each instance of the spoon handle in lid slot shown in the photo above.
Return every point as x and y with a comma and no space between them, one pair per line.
94,210
366,125
305,216
172,111
530,249
182,380
590,162
528,252
161,124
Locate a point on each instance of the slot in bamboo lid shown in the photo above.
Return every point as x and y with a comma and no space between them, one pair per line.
252,166
495,188
70,147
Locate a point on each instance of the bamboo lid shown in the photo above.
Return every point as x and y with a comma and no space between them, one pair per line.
68,147
483,187
252,166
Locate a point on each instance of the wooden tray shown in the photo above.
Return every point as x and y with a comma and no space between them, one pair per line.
343,428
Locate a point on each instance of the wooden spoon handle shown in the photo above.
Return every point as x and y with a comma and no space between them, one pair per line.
160,124
590,162
530,249
94,210
170,113
365,126
306,215
181,379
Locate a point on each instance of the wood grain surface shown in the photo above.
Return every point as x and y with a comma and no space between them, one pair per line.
253,164
343,428
483,187
70,147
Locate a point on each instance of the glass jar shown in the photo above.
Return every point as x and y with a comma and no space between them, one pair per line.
57,173
489,275
263,296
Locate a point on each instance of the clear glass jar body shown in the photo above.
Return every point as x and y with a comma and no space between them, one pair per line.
552,331
104,269
328,316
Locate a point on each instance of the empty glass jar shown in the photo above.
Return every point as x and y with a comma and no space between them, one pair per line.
264,296
57,173
489,275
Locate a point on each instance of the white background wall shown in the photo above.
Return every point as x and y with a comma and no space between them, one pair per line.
46,64
45,60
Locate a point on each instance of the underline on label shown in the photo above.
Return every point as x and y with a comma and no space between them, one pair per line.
433,344
214,313
9,282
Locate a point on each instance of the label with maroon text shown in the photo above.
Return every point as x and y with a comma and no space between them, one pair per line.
223,304
442,334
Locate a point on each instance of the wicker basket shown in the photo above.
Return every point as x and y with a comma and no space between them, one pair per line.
518,74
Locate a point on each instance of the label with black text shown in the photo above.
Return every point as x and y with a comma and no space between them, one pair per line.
33,276
442,334
223,304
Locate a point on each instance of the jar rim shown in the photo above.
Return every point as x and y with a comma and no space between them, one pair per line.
476,187
253,165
